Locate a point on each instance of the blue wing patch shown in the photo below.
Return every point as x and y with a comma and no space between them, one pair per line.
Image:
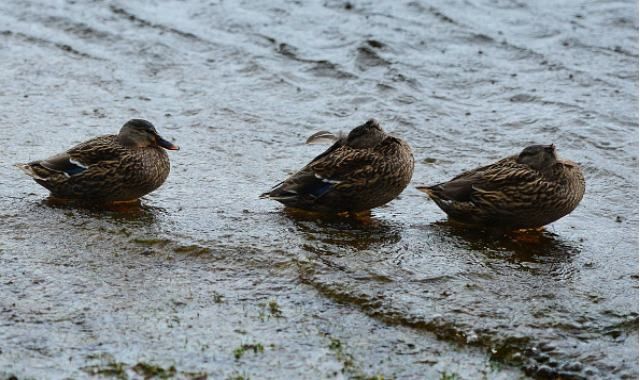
320,190
63,164
74,169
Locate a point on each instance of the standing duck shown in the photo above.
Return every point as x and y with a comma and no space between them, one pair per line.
105,169
528,190
362,170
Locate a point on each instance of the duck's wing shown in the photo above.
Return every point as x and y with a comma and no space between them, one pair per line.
63,163
347,166
299,185
339,167
503,180
350,170
76,160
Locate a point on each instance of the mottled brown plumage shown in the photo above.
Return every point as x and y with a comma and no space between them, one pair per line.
361,171
112,168
528,190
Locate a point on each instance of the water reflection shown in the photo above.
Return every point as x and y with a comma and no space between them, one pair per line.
535,246
136,211
332,234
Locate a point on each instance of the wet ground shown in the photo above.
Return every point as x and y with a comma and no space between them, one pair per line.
205,278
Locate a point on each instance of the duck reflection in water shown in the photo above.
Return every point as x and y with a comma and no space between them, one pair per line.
538,245
335,232
134,211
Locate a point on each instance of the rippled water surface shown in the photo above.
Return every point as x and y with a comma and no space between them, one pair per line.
205,278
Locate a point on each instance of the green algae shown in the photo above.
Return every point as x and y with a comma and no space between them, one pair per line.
256,348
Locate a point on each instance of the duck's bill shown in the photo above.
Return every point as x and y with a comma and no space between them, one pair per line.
166,144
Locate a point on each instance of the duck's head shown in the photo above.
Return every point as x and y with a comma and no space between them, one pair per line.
367,135
141,133
538,157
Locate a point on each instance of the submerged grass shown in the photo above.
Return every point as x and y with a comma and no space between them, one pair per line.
349,365
238,376
274,309
149,371
123,371
448,376
240,351
112,370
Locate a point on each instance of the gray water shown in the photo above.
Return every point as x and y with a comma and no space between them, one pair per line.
206,279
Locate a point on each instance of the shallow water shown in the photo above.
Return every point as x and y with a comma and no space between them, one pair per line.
203,267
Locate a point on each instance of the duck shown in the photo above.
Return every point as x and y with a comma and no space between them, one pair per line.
107,169
524,191
363,169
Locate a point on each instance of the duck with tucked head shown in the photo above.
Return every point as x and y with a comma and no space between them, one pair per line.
528,190
365,169
105,169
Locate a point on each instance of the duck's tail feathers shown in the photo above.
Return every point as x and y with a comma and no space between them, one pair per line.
278,193
324,137
279,197
267,196
28,170
427,190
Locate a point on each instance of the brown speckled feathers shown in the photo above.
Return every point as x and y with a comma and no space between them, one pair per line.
104,169
511,194
361,171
